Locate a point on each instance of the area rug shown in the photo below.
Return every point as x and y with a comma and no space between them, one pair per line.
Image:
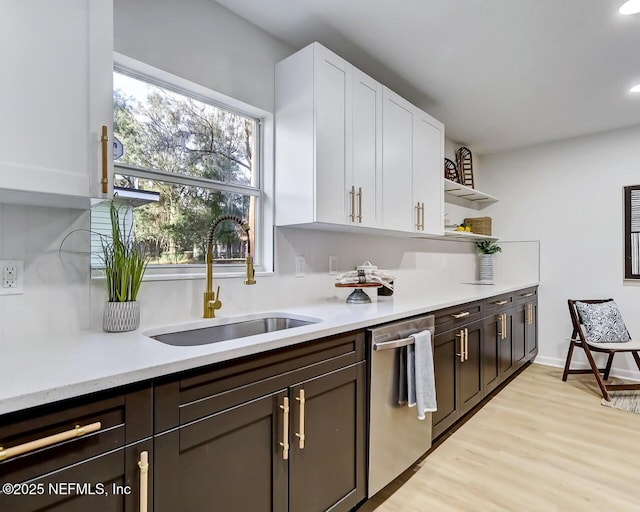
625,400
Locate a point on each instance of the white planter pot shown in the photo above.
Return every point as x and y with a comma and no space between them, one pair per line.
121,316
486,268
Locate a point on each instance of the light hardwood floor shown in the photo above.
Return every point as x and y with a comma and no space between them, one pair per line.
540,445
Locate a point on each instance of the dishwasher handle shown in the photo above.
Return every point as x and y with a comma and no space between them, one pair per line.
388,345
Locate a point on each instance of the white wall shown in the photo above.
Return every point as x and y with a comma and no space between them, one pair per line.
569,195
56,278
201,41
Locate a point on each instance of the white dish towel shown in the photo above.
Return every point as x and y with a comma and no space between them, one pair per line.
421,384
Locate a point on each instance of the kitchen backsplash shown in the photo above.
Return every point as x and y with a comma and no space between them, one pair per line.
60,297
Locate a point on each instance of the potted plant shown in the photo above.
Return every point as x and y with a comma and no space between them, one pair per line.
487,249
125,262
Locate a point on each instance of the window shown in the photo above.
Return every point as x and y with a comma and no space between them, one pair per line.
186,159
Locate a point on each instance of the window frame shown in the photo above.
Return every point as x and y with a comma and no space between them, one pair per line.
264,221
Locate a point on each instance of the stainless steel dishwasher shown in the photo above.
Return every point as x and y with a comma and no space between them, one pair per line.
396,437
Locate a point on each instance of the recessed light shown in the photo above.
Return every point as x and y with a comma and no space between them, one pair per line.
635,88
630,7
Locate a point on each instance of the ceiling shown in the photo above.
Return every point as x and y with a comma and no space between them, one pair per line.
500,74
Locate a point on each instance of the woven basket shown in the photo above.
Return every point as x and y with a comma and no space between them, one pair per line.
479,225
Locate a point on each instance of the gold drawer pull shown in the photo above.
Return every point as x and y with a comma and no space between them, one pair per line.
143,464
501,302
43,442
504,326
461,336
352,215
526,294
104,138
285,429
466,344
461,315
300,435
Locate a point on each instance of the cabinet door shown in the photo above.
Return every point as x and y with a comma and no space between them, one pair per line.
531,330
367,149
446,353
491,339
55,99
327,468
470,373
506,352
333,126
428,187
232,460
107,483
398,210
519,336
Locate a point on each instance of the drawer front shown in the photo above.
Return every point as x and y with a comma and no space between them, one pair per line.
457,316
41,440
195,394
499,303
526,295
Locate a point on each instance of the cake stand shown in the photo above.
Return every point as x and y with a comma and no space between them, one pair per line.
358,296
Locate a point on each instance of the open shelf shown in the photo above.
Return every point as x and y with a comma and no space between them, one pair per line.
475,198
465,235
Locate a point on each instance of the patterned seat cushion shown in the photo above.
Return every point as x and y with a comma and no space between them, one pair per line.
602,322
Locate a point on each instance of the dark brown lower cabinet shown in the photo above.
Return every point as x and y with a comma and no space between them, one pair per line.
231,460
531,329
491,337
506,352
298,449
458,374
323,470
518,337
107,483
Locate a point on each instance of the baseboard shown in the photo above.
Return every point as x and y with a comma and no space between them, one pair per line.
577,365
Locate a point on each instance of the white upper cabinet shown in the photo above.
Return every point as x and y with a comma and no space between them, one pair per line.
428,158
350,152
56,96
413,148
398,211
328,143
366,176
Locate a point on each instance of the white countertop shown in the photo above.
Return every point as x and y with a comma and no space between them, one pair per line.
39,371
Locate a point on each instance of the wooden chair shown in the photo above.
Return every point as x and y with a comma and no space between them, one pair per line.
578,339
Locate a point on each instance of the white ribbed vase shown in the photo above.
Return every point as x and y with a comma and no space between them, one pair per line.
486,268
121,316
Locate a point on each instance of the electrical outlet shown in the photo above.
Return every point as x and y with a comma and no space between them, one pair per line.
300,263
333,265
11,272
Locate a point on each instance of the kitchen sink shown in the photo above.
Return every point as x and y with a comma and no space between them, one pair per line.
233,330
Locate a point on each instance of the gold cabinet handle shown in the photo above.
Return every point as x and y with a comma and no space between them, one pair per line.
504,322
422,217
461,336
104,138
529,314
143,464
526,294
360,205
285,428
501,302
352,215
300,435
417,216
43,442
460,315
466,344
501,329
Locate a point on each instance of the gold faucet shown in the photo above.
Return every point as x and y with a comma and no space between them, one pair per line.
211,299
